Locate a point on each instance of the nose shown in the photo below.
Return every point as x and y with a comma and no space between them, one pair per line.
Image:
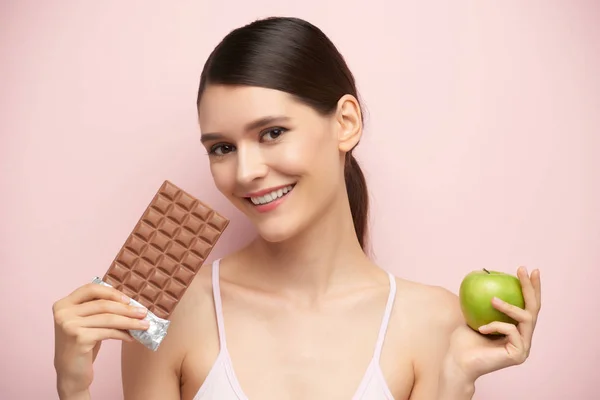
250,164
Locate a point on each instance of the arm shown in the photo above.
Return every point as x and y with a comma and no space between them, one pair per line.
82,320
151,375
435,379
451,386
451,356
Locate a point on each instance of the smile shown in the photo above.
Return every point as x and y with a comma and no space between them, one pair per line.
271,196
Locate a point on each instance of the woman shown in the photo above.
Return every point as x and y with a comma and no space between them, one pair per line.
301,312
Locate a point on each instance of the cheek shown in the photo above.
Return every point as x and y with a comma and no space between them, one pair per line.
310,154
224,176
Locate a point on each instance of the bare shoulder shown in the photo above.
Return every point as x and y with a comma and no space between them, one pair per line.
429,307
425,317
145,372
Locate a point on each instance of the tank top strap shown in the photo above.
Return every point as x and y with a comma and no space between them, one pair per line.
386,318
218,303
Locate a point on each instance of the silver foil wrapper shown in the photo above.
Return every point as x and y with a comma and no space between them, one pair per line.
153,336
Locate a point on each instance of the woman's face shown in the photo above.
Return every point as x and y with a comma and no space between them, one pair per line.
276,159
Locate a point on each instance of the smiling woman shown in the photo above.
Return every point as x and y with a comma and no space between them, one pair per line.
268,140
300,65
301,312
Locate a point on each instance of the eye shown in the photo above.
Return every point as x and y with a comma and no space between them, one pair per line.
272,134
221,149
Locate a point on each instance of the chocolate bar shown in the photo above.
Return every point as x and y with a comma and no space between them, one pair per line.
162,255
166,249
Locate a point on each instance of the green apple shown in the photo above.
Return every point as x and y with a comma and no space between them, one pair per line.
478,289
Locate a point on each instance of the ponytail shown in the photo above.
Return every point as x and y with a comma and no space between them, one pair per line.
358,195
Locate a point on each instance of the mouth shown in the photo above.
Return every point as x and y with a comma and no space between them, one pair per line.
270,197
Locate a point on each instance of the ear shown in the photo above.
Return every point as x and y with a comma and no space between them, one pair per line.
349,121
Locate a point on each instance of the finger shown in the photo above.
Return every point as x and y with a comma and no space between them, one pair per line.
517,313
523,317
94,335
536,281
93,291
515,347
528,290
109,307
112,321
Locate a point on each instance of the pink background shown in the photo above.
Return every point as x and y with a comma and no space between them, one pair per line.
482,149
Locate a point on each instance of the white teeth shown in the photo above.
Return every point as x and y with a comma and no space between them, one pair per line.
269,197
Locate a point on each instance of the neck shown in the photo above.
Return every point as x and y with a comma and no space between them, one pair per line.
325,255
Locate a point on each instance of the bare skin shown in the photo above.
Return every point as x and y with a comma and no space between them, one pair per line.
302,302
293,349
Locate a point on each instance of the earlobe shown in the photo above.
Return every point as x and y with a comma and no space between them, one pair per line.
349,119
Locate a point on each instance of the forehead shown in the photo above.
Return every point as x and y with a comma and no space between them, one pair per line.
226,107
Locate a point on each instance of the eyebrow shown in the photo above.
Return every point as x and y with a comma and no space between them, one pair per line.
256,124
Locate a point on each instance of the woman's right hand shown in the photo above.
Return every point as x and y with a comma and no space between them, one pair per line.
82,320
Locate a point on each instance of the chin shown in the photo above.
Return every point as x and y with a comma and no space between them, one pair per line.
275,232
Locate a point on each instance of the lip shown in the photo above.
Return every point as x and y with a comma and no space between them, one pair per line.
266,191
263,208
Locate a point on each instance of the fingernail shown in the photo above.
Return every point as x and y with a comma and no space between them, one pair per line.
482,328
125,299
498,300
141,310
144,323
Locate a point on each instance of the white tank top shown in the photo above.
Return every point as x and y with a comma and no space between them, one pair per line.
222,384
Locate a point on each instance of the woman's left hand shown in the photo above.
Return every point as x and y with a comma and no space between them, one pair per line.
474,354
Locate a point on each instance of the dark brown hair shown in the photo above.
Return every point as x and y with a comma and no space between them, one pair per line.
293,56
